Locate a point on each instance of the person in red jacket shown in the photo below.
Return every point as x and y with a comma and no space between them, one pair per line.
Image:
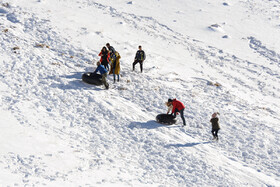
105,57
178,106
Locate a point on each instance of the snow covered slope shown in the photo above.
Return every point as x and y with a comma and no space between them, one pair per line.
211,55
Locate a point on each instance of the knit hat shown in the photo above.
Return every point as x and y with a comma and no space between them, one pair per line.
170,100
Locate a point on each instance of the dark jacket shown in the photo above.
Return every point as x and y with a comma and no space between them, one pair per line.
112,50
105,56
215,123
140,55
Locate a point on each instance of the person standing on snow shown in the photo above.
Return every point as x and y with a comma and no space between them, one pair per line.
105,57
112,52
215,125
103,71
115,67
178,106
139,58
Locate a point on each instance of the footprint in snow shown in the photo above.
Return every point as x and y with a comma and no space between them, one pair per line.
216,28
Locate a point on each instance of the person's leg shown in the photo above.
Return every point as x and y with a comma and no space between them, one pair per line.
141,66
107,66
217,134
182,116
174,114
104,81
118,77
213,133
133,65
114,75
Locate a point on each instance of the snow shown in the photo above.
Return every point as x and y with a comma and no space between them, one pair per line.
214,56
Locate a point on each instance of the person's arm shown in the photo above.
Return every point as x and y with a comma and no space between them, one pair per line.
108,57
113,50
169,109
144,57
173,111
96,70
135,56
118,56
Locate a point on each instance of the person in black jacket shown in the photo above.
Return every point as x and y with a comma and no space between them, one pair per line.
215,125
112,51
139,58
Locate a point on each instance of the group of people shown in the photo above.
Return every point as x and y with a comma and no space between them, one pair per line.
109,56
176,107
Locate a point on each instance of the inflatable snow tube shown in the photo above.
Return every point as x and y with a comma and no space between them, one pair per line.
165,119
90,78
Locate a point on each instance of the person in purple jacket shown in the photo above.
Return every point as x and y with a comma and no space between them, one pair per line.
103,71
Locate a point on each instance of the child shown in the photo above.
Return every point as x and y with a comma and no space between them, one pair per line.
215,125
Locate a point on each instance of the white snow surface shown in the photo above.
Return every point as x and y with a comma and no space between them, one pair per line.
59,131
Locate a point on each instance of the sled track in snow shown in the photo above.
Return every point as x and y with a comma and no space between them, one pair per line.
211,55
261,49
223,62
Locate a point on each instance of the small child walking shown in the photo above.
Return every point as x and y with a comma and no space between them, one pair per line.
215,125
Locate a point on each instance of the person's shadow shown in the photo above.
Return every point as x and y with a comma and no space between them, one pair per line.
187,144
152,124
76,83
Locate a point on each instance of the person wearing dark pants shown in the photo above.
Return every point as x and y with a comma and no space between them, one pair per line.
215,126
215,134
139,58
141,65
105,57
103,71
112,52
178,106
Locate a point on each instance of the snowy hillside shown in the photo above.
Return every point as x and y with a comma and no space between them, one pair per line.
214,56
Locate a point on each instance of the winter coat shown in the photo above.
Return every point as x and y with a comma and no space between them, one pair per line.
140,55
116,65
177,105
215,123
101,69
112,51
106,55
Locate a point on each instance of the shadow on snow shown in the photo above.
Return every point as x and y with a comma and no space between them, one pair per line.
75,83
152,124
187,144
